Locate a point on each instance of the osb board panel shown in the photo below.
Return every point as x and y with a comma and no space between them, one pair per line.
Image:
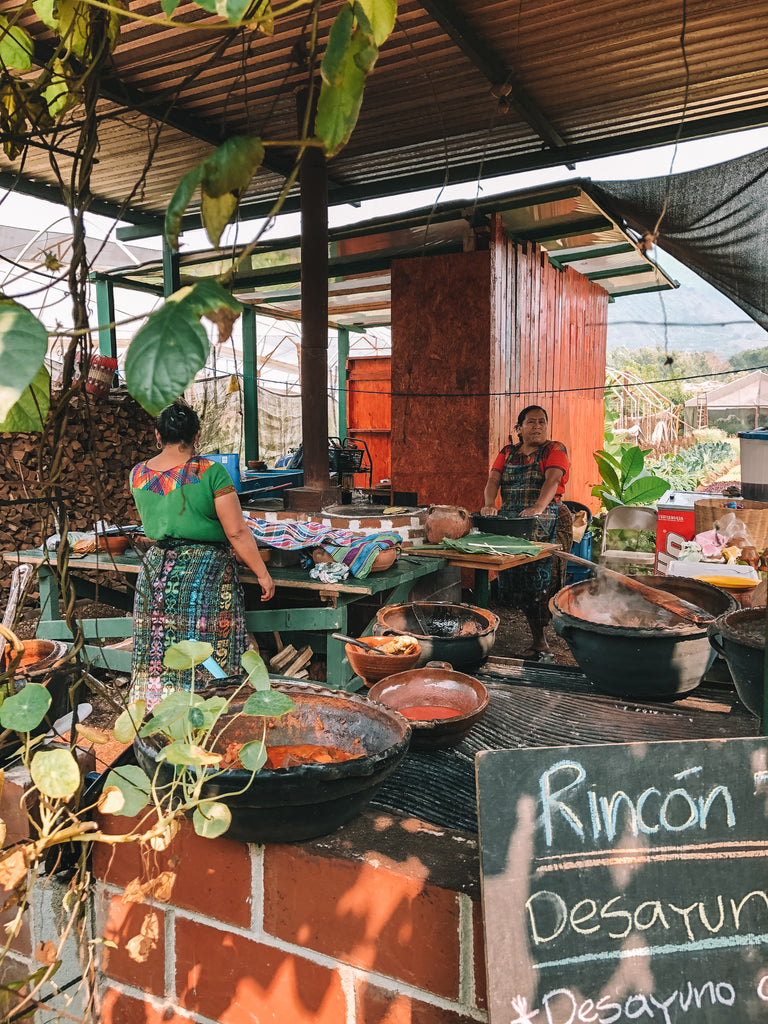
441,366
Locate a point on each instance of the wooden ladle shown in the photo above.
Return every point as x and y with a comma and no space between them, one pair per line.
676,605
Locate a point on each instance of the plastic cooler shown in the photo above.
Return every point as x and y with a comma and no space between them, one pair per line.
753,448
231,462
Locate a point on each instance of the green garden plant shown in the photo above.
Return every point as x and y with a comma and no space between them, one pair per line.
624,478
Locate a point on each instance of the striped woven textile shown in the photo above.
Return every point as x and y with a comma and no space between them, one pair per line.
360,555
185,592
290,535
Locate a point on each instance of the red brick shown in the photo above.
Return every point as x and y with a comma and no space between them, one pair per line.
213,876
377,524
124,922
235,980
377,1006
119,1008
385,918
478,937
15,805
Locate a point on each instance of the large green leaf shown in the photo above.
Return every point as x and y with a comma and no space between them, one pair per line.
165,355
210,299
181,753
632,463
607,472
381,16
179,203
645,490
227,173
16,47
55,773
23,345
45,10
133,784
223,177
28,414
347,62
271,703
25,710
211,818
233,10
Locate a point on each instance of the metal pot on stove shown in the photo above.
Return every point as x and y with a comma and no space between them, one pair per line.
461,634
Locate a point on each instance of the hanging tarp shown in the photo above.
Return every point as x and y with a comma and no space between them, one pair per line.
714,220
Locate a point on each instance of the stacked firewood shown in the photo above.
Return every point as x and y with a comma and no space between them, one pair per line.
87,469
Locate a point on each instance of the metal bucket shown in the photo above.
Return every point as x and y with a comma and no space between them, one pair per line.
648,662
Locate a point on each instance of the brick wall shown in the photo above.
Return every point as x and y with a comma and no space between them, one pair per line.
379,923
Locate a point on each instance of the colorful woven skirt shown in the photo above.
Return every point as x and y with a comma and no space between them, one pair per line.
185,592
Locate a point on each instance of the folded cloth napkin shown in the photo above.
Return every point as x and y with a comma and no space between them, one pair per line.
329,572
361,553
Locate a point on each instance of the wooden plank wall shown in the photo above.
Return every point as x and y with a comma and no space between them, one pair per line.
549,332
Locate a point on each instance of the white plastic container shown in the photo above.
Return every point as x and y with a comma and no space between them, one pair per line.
753,448
707,571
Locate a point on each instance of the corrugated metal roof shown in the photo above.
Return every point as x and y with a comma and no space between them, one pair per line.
586,78
562,218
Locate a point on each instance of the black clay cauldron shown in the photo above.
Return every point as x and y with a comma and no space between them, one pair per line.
460,634
632,649
740,637
301,802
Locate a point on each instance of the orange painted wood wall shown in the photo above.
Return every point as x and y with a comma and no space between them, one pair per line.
369,410
475,338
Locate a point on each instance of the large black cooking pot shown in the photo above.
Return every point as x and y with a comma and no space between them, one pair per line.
651,660
460,634
291,804
740,637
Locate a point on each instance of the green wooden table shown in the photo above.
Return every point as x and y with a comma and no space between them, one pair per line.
323,607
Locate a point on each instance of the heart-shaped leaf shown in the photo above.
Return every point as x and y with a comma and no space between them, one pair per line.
253,755
186,654
129,721
165,355
257,674
16,47
134,787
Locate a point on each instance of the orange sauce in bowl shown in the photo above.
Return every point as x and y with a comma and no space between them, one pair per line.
290,756
428,712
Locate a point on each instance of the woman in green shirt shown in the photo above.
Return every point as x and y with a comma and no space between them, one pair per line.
188,587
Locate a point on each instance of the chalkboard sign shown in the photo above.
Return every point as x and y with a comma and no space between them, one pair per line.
626,882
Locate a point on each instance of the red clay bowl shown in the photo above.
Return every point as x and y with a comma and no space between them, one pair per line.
115,545
372,667
437,686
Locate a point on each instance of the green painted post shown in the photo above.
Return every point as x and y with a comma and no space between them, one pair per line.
105,312
250,386
343,349
171,274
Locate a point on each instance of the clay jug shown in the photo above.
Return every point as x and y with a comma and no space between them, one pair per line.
446,521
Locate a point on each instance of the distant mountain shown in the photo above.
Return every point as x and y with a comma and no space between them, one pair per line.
698,318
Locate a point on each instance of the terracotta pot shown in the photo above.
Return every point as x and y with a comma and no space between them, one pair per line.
435,685
372,667
449,521
286,805
115,545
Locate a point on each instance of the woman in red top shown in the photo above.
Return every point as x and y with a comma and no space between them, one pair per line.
531,476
